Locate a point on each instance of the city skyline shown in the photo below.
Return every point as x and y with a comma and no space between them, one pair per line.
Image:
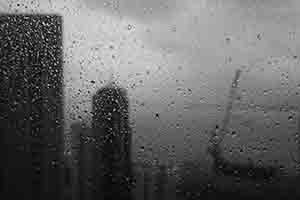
172,64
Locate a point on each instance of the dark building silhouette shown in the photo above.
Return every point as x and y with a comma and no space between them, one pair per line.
162,181
112,134
31,106
76,148
221,165
79,163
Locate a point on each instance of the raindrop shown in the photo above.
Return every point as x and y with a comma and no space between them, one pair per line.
258,36
157,115
228,40
129,26
241,150
233,134
142,148
217,127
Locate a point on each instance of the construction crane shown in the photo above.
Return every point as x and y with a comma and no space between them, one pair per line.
217,135
216,139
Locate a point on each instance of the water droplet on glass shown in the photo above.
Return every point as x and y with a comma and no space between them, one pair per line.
157,115
129,26
233,134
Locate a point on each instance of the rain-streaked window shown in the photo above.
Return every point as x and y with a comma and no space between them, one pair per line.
149,99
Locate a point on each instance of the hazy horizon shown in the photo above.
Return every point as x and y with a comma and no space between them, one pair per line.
173,57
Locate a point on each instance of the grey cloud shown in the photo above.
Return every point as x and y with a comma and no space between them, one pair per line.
268,9
144,10
264,3
159,9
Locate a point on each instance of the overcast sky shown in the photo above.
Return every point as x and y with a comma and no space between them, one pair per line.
199,43
173,50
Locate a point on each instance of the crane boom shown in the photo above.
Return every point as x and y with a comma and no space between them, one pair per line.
216,138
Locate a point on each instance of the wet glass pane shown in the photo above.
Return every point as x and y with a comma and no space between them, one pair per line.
149,99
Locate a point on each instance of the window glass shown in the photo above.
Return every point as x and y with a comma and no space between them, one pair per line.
140,99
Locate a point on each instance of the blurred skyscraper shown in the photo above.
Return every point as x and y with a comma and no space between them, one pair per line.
111,131
79,163
31,106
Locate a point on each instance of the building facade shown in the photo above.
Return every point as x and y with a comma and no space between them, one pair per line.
31,106
112,149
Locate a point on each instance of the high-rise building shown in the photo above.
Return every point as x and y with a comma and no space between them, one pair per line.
31,106
76,161
79,163
111,131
